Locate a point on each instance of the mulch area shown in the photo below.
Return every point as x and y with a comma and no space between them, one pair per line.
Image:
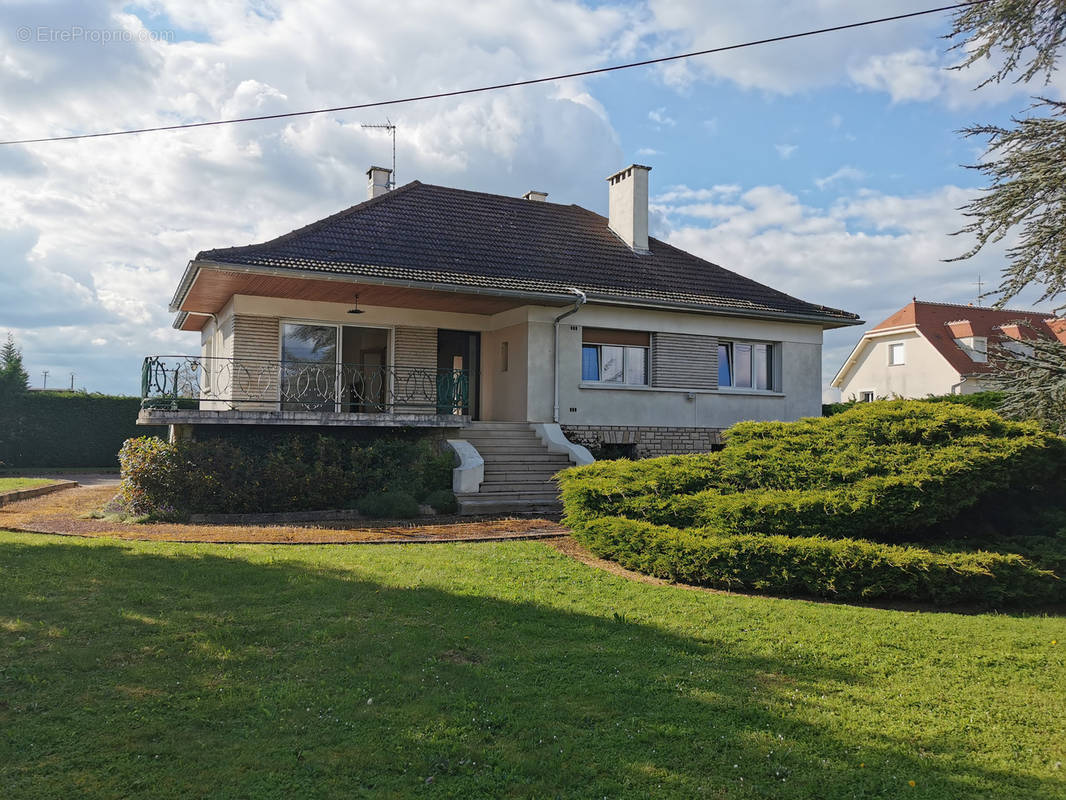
65,513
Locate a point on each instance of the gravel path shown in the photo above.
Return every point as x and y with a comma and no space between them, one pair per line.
66,513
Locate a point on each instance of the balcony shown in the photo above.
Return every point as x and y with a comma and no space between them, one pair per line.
198,390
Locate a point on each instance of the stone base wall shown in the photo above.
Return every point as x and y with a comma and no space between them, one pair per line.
644,442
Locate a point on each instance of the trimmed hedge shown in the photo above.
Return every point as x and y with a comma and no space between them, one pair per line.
289,472
982,401
888,471
67,429
823,507
841,569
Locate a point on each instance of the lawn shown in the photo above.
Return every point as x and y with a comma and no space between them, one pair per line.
161,670
12,484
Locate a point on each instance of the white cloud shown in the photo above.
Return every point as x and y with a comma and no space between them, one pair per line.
661,118
96,233
867,253
845,173
648,151
879,57
785,151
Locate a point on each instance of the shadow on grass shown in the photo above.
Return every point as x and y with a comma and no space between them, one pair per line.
125,673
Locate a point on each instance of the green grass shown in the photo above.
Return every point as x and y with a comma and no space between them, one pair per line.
11,484
495,670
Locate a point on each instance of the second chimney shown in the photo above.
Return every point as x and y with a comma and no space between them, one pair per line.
627,203
378,181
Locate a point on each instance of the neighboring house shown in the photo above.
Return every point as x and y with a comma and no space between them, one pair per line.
437,307
935,349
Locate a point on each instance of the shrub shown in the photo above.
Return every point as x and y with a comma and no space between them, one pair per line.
815,506
443,501
892,471
389,505
67,429
276,472
841,569
983,401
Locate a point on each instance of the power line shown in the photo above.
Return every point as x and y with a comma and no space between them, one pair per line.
498,86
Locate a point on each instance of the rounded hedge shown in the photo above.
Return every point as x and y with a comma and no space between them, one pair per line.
822,506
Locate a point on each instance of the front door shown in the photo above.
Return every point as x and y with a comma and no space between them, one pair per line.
458,357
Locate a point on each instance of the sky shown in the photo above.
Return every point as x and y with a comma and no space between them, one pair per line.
829,167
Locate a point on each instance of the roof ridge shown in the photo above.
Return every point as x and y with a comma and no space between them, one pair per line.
972,307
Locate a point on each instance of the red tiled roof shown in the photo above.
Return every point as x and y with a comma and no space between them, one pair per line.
942,323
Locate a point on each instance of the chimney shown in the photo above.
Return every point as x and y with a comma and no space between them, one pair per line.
377,181
533,194
628,206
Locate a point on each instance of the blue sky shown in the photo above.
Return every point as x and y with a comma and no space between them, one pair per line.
827,167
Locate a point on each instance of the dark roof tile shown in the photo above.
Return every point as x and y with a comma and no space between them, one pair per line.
434,234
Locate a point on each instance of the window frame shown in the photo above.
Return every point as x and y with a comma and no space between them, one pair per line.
627,351
902,354
769,372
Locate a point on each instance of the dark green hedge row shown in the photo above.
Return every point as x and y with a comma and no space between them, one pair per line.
889,471
278,473
983,401
67,429
840,569
824,506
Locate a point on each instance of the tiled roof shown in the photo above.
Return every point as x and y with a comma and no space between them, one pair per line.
434,234
938,321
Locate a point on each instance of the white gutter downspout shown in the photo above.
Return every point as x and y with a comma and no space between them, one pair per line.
555,353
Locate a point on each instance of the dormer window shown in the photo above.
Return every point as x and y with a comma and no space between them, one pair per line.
976,347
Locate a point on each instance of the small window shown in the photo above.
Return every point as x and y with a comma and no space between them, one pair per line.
746,365
620,357
504,356
895,354
866,397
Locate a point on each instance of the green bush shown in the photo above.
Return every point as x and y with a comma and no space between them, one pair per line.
67,429
841,569
277,472
983,401
889,471
823,506
443,501
389,505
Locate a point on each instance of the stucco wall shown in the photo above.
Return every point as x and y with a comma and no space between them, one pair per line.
503,393
526,390
924,371
799,377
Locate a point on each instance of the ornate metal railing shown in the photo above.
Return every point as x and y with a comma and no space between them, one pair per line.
205,383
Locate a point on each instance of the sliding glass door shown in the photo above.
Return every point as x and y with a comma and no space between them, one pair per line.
334,368
309,367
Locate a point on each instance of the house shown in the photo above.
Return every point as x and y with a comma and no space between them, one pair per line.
935,349
493,318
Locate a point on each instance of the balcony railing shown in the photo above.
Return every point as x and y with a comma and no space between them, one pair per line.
206,383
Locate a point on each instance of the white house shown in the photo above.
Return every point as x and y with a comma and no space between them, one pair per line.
438,307
935,349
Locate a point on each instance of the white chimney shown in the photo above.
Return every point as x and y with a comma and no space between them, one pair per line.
377,181
533,194
628,206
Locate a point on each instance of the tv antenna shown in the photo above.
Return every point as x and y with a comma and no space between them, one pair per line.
980,286
388,126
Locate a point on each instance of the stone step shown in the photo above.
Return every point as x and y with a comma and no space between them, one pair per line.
541,464
515,476
495,487
498,426
533,493
478,505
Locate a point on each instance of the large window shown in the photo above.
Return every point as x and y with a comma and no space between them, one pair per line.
610,356
746,365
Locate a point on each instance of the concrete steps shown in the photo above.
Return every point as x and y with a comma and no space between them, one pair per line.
518,471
